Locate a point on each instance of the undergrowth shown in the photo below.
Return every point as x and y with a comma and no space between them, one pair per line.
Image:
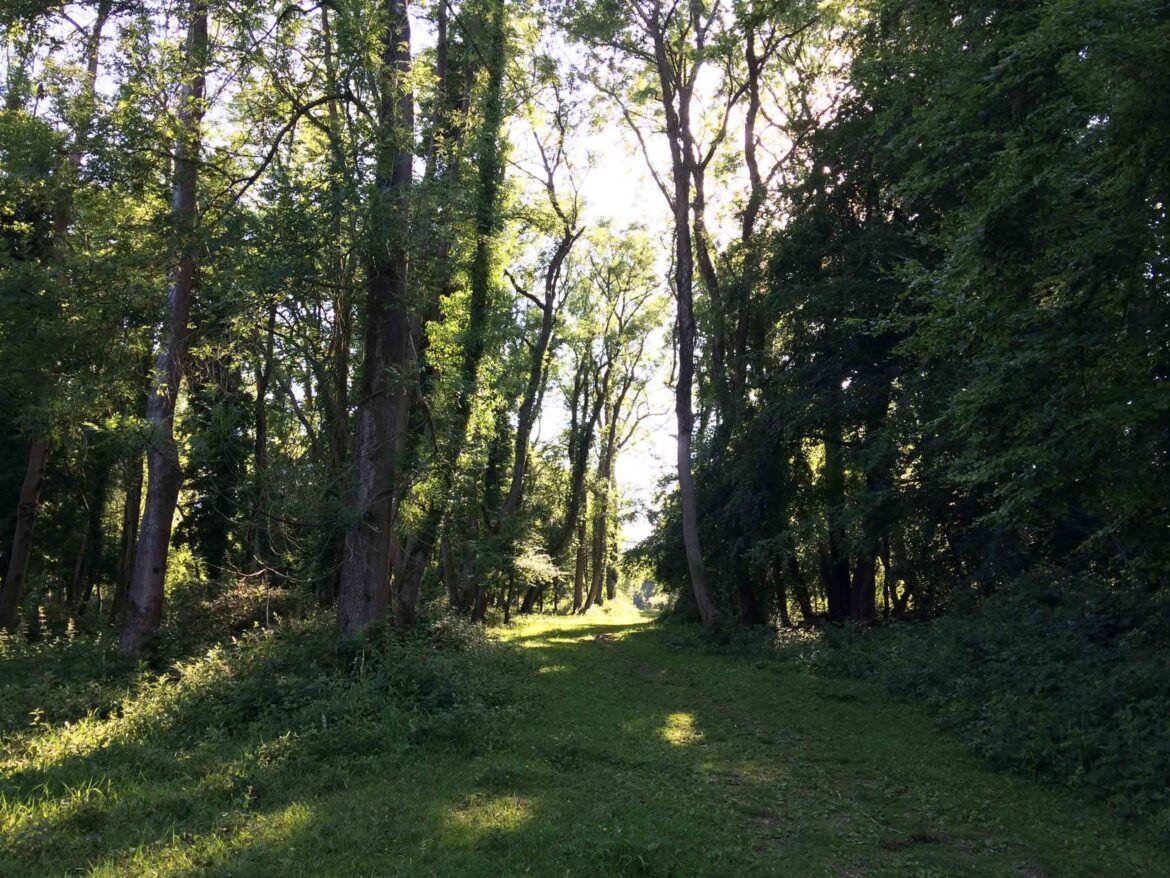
1056,678
100,754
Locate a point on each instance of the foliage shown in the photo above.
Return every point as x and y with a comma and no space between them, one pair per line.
1050,679
99,752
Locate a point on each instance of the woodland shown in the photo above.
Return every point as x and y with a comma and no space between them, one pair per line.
595,437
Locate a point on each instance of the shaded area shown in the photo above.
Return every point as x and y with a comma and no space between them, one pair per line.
641,752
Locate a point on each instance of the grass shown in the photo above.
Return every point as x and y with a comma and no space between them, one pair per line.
604,745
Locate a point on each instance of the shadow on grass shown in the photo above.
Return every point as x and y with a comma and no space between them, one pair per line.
630,757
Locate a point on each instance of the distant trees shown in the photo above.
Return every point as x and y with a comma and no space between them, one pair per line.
366,309
917,255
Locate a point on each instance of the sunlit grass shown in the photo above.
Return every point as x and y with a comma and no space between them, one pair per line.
613,747
679,730
231,842
481,814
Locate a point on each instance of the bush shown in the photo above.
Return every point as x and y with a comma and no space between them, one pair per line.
1058,678
90,741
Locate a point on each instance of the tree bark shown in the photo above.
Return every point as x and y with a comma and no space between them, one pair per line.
131,512
336,383
584,418
782,597
833,556
420,545
800,588
258,530
364,593
144,600
749,606
676,99
90,549
580,570
530,596
12,589
863,589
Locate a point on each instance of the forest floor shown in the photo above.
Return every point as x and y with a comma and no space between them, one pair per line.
640,752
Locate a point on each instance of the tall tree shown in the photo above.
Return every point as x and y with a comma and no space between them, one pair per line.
672,41
489,150
384,403
144,599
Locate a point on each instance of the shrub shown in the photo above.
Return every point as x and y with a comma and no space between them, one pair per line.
1058,677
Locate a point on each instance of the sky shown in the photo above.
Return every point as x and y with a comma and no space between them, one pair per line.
617,189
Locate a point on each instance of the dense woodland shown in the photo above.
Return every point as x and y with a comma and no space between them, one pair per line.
317,300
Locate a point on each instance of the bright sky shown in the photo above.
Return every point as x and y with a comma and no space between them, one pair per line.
616,189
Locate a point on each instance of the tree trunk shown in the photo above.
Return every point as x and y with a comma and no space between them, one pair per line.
833,558
12,589
451,579
258,531
583,422
364,593
336,380
131,512
600,534
833,570
745,598
782,598
91,543
678,134
579,572
863,590
144,600
479,608
417,554
800,588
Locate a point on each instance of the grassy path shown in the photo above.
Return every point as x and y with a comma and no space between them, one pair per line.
642,757
661,761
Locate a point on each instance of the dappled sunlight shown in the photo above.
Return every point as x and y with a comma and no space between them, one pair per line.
630,755
679,729
618,617
149,707
546,632
233,840
480,815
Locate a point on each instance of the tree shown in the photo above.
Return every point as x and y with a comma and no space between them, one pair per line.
672,42
383,409
144,599
80,118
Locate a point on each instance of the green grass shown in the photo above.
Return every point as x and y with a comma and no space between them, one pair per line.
607,745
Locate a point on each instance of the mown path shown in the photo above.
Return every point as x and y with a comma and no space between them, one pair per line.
645,758
674,761
643,752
